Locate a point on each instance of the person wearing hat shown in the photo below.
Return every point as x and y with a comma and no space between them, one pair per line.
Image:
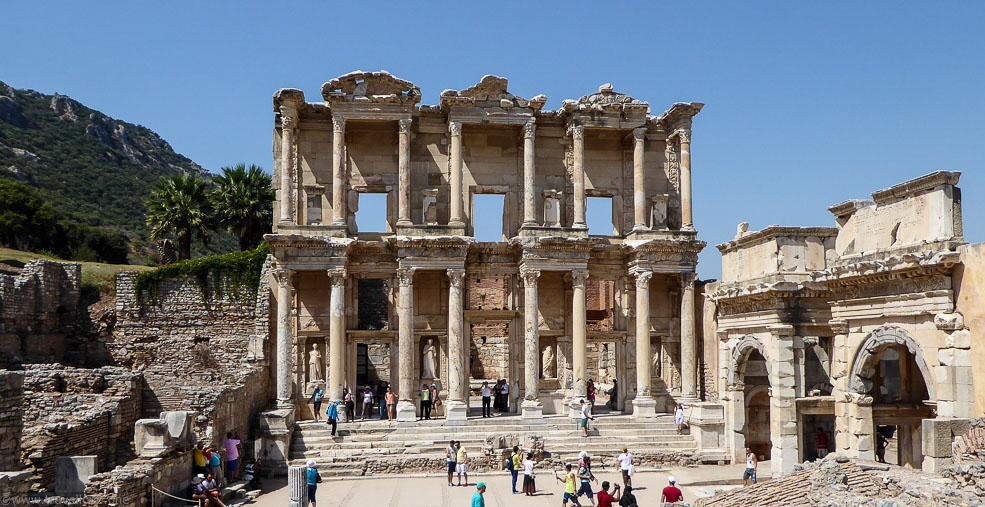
313,478
332,415
477,499
672,494
193,492
569,486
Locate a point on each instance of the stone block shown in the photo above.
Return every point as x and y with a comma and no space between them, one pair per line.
935,465
179,425
297,489
72,474
864,443
959,339
151,438
644,408
936,438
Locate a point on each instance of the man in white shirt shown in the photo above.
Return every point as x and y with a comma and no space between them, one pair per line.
504,401
486,400
625,466
586,414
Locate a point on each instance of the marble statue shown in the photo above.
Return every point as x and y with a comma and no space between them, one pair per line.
315,364
429,361
547,362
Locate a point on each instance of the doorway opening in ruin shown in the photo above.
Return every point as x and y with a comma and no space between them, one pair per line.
810,420
899,391
370,212
600,217
757,406
488,212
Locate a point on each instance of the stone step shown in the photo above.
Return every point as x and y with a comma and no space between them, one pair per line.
614,440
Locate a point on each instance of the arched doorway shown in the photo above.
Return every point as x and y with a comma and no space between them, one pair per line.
757,406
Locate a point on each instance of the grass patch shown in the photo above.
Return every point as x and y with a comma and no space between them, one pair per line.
236,268
96,276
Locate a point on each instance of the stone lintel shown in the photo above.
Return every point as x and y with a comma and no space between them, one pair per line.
847,208
916,186
774,231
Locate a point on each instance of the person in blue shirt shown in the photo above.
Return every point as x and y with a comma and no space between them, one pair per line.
477,499
313,480
332,415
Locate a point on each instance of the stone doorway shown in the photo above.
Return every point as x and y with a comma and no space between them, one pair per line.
372,362
809,424
602,368
757,406
898,391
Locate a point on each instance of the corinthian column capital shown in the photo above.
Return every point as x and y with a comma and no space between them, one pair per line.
683,135
284,277
338,123
456,277
643,279
578,278
337,275
577,132
455,128
687,280
529,129
403,125
405,277
529,277
287,120
639,134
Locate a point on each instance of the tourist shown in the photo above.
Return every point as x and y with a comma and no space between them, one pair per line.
215,463
586,477
613,394
381,388
391,403
679,418
569,486
585,416
313,478
367,403
606,499
251,475
211,490
494,392
316,398
881,443
626,467
628,498
198,460
590,390
332,415
529,486
461,464
350,405
232,457
485,400
451,457
193,494
435,401
425,403
752,462
821,443
671,494
513,464
504,393
477,499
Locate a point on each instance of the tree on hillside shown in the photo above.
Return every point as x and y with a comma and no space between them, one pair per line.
243,200
180,206
26,220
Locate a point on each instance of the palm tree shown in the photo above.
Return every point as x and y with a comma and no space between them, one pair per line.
243,200
180,206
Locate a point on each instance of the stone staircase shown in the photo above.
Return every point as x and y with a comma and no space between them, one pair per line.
381,447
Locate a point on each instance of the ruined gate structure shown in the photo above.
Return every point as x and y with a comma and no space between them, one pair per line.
418,300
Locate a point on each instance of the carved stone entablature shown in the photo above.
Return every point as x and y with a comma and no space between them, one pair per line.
375,87
889,266
953,321
678,251
326,249
607,100
847,208
798,304
748,239
555,249
434,247
288,98
838,326
489,92
679,115
916,186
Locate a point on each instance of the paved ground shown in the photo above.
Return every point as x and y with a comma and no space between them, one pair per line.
433,491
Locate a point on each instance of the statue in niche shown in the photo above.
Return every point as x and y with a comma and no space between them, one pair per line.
655,364
315,371
603,366
429,359
547,362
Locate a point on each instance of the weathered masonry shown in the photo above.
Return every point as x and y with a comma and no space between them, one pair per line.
418,300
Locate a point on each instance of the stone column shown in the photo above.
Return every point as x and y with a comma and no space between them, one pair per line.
643,405
579,338
455,131
578,175
529,134
531,408
456,407
639,181
338,171
689,350
287,124
285,337
336,337
840,358
297,486
406,411
403,168
687,220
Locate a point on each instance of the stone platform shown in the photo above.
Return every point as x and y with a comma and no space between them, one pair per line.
377,447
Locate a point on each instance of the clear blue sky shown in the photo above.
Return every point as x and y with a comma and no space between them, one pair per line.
808,103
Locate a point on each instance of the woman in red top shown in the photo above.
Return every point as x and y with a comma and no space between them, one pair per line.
591,394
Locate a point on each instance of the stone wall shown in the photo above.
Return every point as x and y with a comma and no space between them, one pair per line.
78,412
490,349
131,484
969,298
38,308
11,419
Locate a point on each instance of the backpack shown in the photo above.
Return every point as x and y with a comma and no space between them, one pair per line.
509,463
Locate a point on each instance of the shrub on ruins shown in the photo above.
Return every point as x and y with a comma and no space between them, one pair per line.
234,271
180,207
243,200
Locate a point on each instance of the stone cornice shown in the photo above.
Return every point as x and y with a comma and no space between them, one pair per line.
679,114
606,100
849,207
916,185
888,268
370,87
775,231
769,290
305,241
490,91
291,97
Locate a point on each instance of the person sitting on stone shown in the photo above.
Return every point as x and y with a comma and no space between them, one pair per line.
210,488
193,494
251,475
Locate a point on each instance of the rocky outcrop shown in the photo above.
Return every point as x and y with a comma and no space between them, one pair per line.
64,107
10,113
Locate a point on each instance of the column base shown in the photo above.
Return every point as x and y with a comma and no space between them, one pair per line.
285,405
531,409
644,407
687,227
577,225
574,406
456,223
406,411
456,410
404,222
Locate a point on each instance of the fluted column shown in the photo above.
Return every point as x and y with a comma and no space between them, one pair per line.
529,171
403,167
643,405
531,406
405,345
336,337
287,124
639,180
689,350
687,220
285,337
455,132
578,175
338,171
456,408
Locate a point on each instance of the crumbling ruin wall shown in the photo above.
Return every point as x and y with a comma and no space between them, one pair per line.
38,308
131,484
78,412
199,348
11,419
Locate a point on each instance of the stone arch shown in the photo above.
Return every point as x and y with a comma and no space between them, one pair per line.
868,351
741,351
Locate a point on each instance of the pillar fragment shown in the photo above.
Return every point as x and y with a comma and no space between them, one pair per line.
531,407
687,220
336,337
643,405
578,175
338,171
285,337
403,168
456,406
406,410
455,132
639,180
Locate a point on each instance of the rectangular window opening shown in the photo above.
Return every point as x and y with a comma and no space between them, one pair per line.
371,212
314,210
487,217
599,217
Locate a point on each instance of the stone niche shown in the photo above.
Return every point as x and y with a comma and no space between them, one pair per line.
72,474
549,357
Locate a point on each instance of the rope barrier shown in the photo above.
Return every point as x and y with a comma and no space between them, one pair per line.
152,497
